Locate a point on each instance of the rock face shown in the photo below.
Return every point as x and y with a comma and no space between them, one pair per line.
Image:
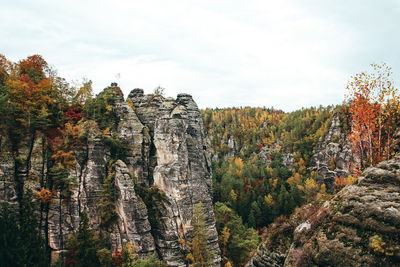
332,156
265,155
182,171
266,258
133,224
165,148
360,226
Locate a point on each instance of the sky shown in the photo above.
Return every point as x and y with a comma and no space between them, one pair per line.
281,54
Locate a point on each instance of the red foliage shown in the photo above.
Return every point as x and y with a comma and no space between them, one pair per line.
117,258
73,114
35,62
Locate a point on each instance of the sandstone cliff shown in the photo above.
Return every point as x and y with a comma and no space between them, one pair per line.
360,226
332,155
164,152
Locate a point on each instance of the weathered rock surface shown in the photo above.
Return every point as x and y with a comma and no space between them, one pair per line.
266,258
165,147
360,226
133,224
265,155
332,156
182,171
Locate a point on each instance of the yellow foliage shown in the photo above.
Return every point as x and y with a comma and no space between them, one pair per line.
239,163
223,240
295,179
130,103
275,183
311,187
341,182
238,173
106,132
379,246
301,167
228,264
233,195
332,164
129,255
269,200
269,170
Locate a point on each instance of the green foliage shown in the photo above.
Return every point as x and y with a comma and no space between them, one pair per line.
243,241
106,204
62,181
117,147
105,257
87,244
129,256
202,256
155,201
244,182
101,108
151,261
21,243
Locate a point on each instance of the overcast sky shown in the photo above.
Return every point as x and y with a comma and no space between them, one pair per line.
285,54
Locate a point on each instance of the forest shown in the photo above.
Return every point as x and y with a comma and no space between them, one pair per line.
263,160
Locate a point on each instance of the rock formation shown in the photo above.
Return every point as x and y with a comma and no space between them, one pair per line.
332,156
164,150
360,226
265,155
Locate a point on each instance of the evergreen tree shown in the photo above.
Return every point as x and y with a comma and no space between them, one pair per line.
21,243
87,243
202,256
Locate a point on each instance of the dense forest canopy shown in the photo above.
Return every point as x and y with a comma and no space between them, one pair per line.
262,162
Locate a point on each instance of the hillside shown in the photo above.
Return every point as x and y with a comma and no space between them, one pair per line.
150,180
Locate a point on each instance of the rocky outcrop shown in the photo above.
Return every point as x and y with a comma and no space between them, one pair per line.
332,155
265,155
266,258
163,147
137,139
133,224
182,170
360,226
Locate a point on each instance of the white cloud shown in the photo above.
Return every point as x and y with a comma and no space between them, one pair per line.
288,54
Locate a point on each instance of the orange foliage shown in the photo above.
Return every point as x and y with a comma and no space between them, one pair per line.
374,104
117,258
44,195
63,145
341,182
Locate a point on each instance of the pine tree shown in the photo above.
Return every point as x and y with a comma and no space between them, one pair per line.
86,256
21,243
202,256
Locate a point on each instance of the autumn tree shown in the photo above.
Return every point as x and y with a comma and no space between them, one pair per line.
26,94
374,106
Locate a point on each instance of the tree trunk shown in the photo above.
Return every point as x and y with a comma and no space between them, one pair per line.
18,178
60,226
42,180
28,158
